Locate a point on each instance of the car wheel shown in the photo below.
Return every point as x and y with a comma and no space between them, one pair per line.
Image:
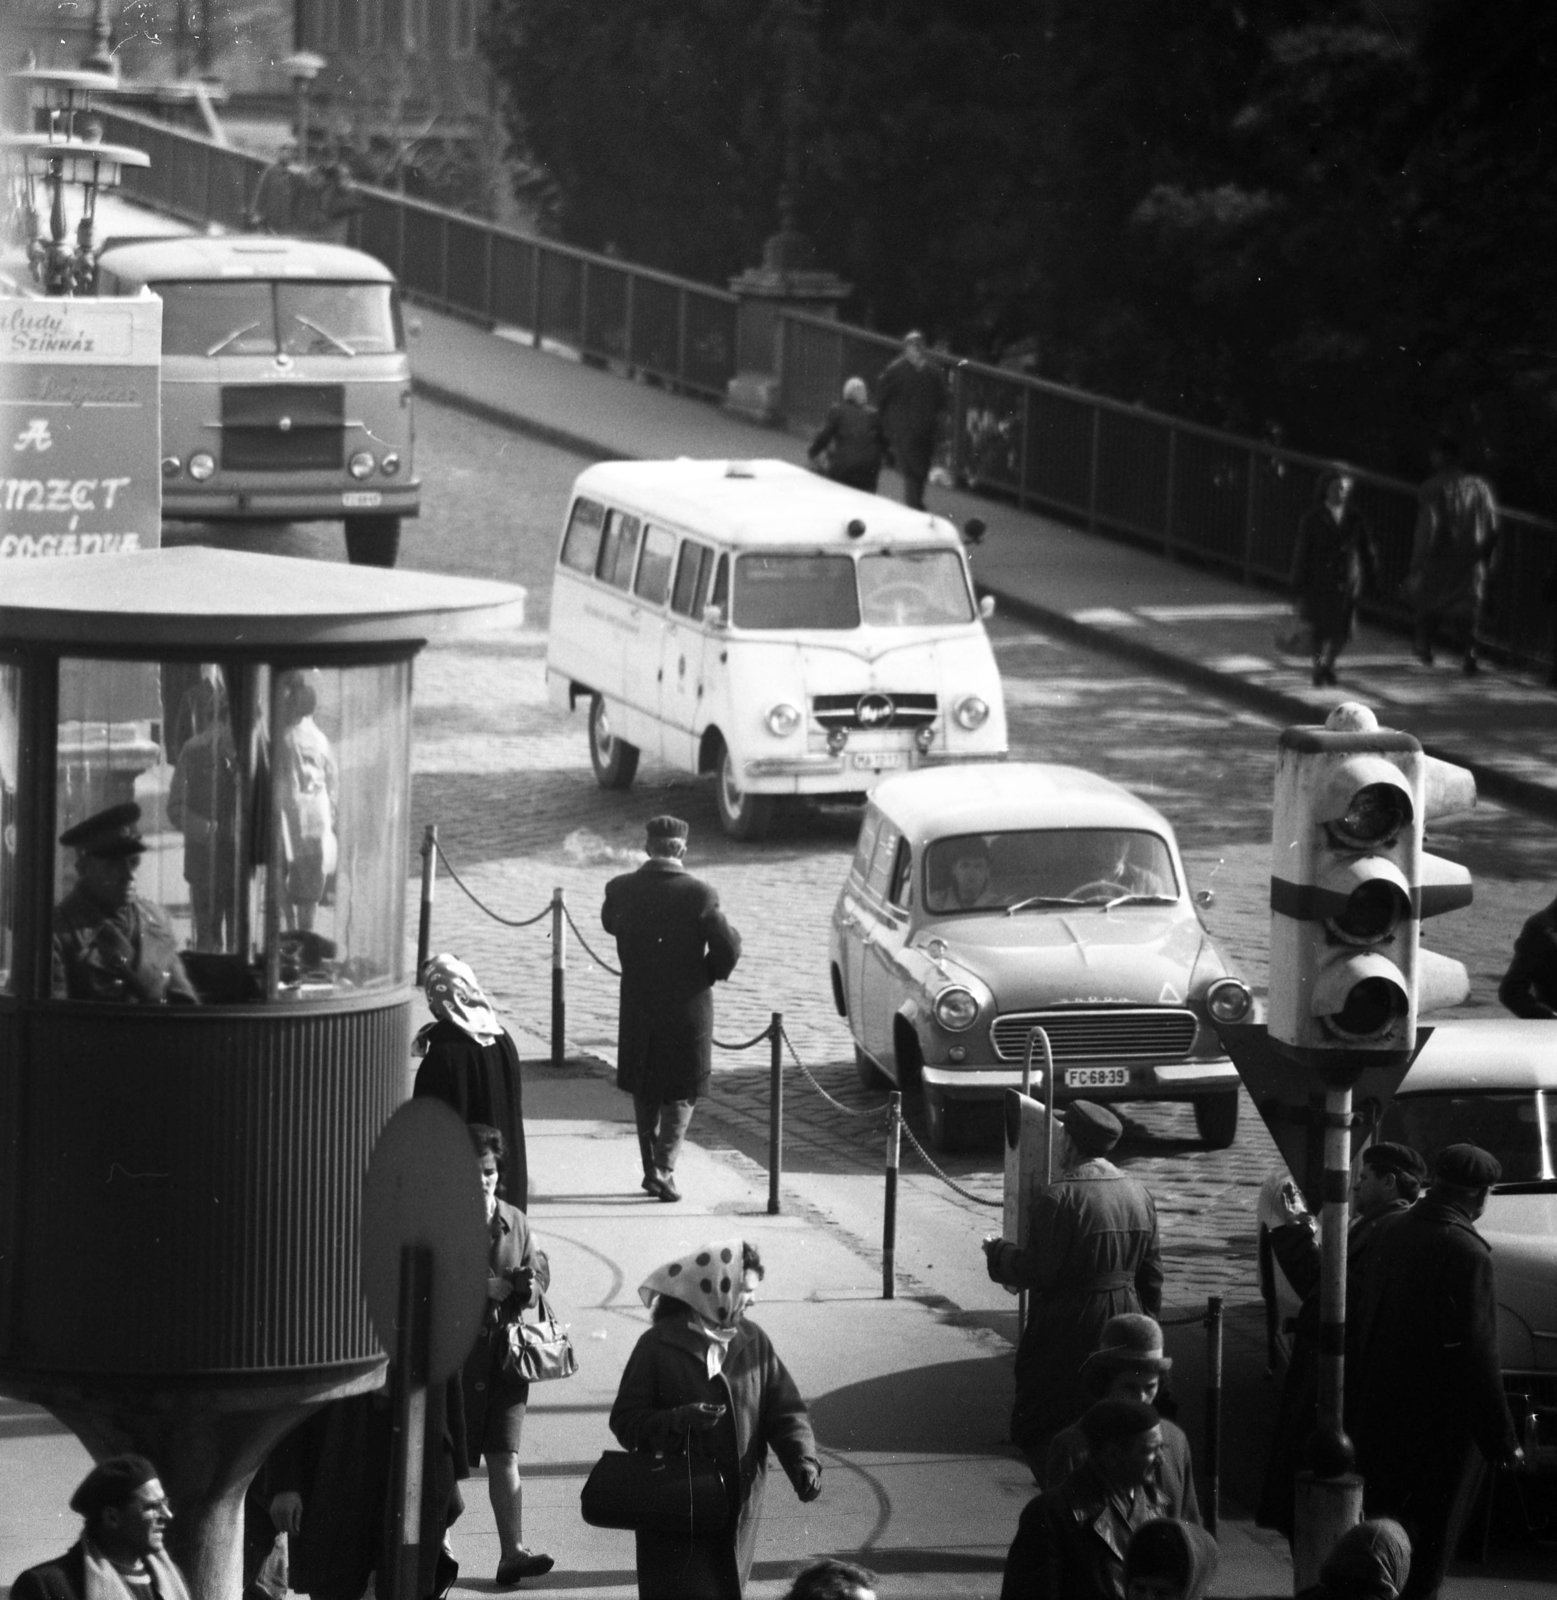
1216,1119
742,816
870,1075
372,541
943,1122
614,760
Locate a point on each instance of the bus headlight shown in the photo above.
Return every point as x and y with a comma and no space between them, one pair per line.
171,466
956,1010
361,464
1228,1000
782,720
970,712
390,465
201,466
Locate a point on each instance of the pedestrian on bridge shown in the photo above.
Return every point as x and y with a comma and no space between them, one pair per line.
674,945
1091,1254
1529,987
1332,564
1451,552
849,442
911,394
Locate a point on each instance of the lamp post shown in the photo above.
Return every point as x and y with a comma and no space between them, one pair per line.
302,67
70,153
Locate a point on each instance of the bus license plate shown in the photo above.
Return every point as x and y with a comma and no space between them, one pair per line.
1096,1077
879,760
361,499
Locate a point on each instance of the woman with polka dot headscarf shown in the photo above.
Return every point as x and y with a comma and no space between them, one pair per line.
706,1380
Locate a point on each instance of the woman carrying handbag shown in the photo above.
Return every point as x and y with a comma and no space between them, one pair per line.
705,1383
494,1397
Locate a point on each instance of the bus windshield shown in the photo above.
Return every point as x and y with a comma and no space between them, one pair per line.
257,317
892,589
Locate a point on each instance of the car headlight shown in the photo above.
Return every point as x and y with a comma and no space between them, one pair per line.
1229,1000
782,720
390,465
361,464
171,466
201,466
970,712
956,1009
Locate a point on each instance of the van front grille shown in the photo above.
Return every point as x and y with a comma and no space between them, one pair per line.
874,709
278,427
1084,1034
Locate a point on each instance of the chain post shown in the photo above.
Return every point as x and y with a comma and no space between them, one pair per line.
889,1218
1213,1412
559,966
775,1110
429,878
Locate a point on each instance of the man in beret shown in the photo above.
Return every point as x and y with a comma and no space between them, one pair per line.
1091,1253
1071,1541
1426,1408
109,943
674,945
1389,1179
120,1554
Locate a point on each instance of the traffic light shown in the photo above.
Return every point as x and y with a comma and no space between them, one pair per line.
1350,884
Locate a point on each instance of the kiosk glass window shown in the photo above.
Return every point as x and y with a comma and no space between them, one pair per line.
10,745
229,831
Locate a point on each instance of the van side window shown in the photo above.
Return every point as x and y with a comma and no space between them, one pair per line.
862,851
881,862
721,591
619,549
691,578
659,551
581,543
901,888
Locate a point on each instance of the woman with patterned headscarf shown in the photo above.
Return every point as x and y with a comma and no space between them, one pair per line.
469,1062
705,1380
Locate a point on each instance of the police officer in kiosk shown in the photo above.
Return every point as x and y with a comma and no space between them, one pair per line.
109,944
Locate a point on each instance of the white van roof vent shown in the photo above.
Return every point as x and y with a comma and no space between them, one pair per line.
739,469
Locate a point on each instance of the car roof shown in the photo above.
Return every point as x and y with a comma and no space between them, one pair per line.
936,802
1498,1053
761,502
197,256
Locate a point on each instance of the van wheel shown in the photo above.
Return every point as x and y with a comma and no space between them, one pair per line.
742,816
614,760
870,1075
1216,1119
372,541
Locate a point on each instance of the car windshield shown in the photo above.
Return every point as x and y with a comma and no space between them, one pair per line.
1048,868
884,589
257,317
1518,1127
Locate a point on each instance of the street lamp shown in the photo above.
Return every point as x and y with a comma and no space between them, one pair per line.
69,153
302,68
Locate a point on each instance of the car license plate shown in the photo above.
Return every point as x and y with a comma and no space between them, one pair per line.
361,499
878,759
1096,1077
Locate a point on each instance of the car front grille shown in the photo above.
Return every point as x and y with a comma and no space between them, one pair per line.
1085,1034
882,709
276,427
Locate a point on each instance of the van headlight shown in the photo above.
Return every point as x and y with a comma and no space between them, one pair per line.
782,720
361,464
201,466
956,1010
1229,1000
171,466
390,465
970,712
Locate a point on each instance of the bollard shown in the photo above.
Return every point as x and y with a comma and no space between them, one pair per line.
424,920
775,1110
1213,1412
889,1218
559,964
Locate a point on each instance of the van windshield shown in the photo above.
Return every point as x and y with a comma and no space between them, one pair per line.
256,317
906,588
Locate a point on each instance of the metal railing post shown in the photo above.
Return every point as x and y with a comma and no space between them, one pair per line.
631,299
559,968
1093,469
889,1214
536,301
681,336
424,919
1171,490
1213,1412
775,1110
1022,449
1250,500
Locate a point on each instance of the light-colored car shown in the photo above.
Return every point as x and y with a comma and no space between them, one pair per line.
1493,1084
986,900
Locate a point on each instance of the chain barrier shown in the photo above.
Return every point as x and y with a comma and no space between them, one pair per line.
950,1182
508,922
1196,1319
756,1039
850,1111
614,971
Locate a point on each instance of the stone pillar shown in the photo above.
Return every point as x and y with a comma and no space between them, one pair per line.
787,280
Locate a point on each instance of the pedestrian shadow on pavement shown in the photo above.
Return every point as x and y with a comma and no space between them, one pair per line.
950,1408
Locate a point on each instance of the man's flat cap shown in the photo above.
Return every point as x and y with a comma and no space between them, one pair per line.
1387,1157
110,1483
667,828
108,833
1467,1166
1094,1129
1118,1422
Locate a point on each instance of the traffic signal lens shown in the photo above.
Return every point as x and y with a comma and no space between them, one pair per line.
1376,814
1373,911
1371,1009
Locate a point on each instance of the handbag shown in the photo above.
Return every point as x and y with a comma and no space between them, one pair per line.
539,1350
678,1494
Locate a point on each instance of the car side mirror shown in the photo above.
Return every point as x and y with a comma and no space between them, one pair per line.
1204,897
987,607
713,615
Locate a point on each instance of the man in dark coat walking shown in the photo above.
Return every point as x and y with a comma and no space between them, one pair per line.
1091,1254
674,945
1451,552
1529,987
1425,1391
910,397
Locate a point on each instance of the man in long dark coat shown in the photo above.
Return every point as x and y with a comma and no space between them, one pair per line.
1091,1254
1425,1391
1529,987
1451,552
674,945
910,397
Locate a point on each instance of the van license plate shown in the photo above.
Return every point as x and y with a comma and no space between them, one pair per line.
879,760
1096,1077
361,499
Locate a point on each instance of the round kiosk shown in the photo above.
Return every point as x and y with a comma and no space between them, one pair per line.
205,994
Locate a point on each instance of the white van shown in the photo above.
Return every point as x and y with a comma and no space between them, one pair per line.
756,621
